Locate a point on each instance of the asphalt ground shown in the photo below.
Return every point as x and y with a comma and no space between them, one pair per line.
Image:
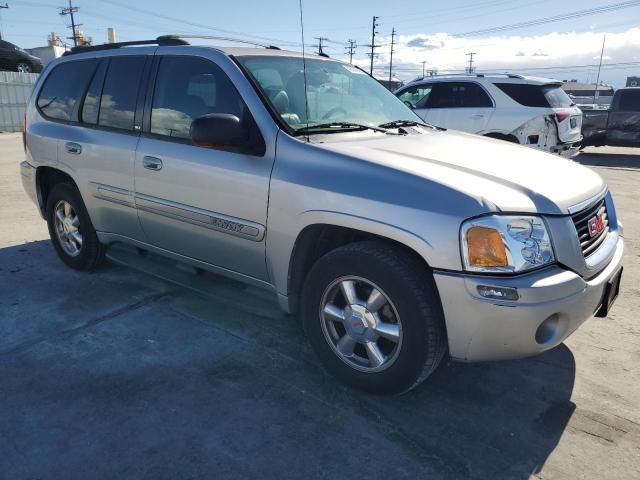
117,374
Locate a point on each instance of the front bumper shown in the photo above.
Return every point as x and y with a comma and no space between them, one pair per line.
482,329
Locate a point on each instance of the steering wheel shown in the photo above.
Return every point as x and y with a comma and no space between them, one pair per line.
333,111
409,104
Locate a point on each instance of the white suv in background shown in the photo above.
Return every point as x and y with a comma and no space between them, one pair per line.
526,110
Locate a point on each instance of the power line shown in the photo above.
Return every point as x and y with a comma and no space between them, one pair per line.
373,45
556,18
351,49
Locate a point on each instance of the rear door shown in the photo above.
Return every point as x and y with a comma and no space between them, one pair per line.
208,204
97,142
463,106
623,128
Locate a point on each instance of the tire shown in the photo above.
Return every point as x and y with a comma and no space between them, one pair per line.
90,252
412,301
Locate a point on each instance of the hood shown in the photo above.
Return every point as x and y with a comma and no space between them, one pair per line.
504,176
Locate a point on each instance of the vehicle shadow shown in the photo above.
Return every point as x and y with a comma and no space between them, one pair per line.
616,160
120,375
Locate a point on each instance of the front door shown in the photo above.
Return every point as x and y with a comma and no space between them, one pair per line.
203,203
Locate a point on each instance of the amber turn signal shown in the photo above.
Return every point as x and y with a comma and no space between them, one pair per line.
486,248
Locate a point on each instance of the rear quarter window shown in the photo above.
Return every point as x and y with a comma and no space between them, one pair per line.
63,89
526,95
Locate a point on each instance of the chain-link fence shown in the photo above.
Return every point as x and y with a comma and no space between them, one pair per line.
15,89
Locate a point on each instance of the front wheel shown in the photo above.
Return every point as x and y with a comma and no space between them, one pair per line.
373,316
70,229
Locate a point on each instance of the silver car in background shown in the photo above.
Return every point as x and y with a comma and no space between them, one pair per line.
396,242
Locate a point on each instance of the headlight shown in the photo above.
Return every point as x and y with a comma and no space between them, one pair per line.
505,244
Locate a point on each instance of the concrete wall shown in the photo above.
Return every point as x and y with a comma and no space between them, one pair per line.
15,89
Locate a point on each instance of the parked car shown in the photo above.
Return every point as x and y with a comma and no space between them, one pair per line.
530,111
395,242
15,59
619,126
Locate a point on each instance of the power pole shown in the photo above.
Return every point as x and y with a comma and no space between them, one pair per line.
470,69
393,37
70,11
595,94
424,62
320,40
351,49
6,5
373,45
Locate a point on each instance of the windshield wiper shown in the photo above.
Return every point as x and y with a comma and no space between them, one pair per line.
339,127
405,123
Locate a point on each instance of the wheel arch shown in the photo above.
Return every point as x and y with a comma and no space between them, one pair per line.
46,179
316,239
502,136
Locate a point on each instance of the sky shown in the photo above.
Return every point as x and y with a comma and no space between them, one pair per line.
438,33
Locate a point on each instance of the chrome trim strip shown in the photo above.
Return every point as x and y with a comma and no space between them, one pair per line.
586,203
200,217
109,193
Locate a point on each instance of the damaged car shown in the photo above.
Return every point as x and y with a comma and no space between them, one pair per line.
526,110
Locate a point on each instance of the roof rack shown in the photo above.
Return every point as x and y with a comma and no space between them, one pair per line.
163,41
226,39
477,75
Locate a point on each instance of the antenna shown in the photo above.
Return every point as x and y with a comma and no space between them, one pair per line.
304,70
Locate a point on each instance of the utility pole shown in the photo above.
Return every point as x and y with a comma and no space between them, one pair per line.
393,37
470,69
6,5
70,11
351,49
595,94
373,45
320,40
424,62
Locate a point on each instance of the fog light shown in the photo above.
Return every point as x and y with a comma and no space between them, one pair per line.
498,293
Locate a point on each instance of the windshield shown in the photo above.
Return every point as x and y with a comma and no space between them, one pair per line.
336,92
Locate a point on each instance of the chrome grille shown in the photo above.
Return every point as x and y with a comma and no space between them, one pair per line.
589,244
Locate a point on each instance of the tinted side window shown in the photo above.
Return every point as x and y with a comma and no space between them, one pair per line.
629,101
473,95
91,105
187,88
417,96
443,95
63,88
120,92
527,95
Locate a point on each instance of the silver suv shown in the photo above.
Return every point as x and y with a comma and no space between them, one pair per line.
396,242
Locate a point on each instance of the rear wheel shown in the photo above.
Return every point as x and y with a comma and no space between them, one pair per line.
373,316
70,229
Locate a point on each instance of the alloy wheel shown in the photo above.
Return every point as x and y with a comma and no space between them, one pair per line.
24,68
361,324
67,224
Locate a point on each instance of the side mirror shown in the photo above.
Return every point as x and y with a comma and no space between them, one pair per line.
218,130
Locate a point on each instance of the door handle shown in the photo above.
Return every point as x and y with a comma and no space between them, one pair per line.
477,115
152,163
73,148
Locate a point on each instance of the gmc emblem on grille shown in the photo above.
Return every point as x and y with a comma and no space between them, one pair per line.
596,224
